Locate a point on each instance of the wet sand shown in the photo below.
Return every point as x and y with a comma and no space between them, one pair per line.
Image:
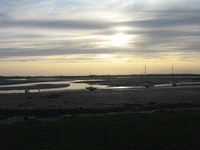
55,104
37,86
76,102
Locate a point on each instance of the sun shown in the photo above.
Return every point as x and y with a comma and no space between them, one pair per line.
119,39
103,56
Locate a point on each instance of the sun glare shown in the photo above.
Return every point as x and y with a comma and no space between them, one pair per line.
121,28
103,56
119,39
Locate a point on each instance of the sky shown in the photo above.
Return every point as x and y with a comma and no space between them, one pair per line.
99,37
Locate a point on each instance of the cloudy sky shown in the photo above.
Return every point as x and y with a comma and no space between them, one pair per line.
75,37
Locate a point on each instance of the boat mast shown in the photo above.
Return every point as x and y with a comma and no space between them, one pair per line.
145,70
174,83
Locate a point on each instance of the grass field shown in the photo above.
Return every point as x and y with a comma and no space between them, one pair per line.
174,130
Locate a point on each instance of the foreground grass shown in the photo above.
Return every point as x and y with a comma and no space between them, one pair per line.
162,130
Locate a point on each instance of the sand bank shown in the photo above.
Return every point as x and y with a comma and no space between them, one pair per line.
55,104
74,102
37,86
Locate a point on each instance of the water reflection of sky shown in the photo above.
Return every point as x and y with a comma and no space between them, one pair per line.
73,86
76,85
16,79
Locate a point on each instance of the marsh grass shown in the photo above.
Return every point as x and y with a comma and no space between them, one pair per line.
174,130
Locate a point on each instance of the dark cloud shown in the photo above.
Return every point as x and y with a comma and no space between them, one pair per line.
4,16
86,58
55,24
164,22
15,52
94,25
167,38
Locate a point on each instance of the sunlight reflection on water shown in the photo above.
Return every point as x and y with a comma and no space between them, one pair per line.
73,86
76,85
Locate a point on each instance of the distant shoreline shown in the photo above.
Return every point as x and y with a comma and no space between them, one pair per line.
31,79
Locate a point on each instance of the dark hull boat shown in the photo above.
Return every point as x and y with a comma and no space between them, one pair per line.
91,88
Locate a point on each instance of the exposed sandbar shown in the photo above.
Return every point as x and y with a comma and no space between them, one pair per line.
37,86
51,104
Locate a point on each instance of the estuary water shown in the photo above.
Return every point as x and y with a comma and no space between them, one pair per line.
75,85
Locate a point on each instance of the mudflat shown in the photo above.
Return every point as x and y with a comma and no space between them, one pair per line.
74,102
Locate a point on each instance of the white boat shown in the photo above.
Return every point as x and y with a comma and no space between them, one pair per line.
147,83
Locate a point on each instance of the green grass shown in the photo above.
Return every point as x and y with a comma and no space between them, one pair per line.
178,130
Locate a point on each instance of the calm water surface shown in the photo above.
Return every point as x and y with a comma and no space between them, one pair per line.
74,86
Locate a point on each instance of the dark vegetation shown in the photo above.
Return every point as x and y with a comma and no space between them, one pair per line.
174,130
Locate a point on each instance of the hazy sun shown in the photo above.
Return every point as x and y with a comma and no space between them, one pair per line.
119,39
